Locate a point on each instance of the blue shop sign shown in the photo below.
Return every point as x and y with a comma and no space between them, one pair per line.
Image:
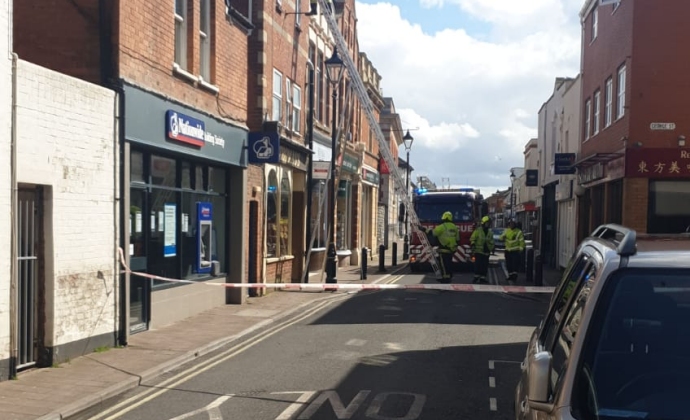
180,127
563,164
264,147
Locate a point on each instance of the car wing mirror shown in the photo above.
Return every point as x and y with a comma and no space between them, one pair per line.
539,381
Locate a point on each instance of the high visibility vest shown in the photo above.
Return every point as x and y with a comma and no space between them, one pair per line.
448,235
479,239
514,239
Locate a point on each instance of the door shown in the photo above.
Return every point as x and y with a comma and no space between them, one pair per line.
139,287
31,281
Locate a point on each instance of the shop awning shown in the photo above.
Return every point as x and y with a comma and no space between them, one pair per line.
596,158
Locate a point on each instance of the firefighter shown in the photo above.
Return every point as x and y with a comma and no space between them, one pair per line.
482,243
448,236
515,245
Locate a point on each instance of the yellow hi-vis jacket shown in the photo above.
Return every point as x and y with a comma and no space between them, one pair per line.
448,237
482,243
513,239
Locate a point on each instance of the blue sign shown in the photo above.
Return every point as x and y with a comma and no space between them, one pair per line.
204,237
185,129
264,147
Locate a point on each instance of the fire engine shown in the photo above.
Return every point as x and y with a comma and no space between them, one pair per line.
468,207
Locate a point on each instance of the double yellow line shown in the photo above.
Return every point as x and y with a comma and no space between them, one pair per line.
169,384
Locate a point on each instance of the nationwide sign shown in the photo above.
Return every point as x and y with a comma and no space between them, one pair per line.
186,129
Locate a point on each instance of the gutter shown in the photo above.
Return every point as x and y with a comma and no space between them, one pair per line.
14,252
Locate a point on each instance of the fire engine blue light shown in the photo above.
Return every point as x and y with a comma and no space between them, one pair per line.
420,191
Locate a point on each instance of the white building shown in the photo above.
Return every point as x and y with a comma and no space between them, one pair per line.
551,117
66,303
526,209
5,182
566,197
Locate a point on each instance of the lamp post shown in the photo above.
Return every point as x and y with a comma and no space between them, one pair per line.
512,194
407,140
334,72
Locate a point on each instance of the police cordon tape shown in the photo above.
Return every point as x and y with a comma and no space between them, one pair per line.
341,286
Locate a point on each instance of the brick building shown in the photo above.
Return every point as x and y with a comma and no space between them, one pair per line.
634,162
179,69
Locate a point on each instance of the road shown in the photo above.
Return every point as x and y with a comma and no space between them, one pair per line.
382,355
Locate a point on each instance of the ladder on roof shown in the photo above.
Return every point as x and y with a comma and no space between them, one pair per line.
365,101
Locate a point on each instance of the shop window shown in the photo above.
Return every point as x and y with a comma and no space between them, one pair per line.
344,211
163,217
669,207
319,217
278,212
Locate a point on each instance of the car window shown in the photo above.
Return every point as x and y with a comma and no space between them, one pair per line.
636,358
563,342
561,297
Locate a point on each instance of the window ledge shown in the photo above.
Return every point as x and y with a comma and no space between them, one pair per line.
279,259
208,86
343,253
184,73
318,249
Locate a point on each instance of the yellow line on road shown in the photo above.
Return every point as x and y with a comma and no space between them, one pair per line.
184,376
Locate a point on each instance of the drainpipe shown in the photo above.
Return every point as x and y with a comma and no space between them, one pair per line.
14,252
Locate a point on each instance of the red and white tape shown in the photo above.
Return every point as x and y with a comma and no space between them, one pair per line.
342,286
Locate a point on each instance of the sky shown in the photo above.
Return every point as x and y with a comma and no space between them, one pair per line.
471,75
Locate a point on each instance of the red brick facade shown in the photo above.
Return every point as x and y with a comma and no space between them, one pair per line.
632,34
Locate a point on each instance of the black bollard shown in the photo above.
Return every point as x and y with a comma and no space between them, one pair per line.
382,258
538,269
529,265
395,254
363,266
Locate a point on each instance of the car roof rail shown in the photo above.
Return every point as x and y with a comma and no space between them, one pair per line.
624,238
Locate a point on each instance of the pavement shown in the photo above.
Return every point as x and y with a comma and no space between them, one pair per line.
62,391
551,277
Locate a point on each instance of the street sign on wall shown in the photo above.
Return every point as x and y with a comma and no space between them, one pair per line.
662,126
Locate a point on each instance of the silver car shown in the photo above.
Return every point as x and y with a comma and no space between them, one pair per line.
615,343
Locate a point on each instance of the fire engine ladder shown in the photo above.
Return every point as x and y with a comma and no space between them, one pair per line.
366,103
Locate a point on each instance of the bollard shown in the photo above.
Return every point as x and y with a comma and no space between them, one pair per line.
395,254
529,265
363,267
382,258
538,269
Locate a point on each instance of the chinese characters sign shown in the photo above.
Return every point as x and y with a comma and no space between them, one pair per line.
658,163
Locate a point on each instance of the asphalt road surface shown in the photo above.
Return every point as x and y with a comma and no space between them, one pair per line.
382,355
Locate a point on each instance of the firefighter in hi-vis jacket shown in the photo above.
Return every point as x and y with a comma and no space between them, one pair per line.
514,241
482,243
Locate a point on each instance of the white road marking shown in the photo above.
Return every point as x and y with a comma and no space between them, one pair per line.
341,411
412,414
297,405
491,364
356,342
492,382
393,346
492,404
212,409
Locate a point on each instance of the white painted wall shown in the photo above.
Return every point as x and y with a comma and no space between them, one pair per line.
66,131
5,188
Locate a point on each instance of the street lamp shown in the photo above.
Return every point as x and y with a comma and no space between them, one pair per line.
334,72
407,140
512,194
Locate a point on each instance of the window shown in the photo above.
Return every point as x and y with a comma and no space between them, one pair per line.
588,116
240,11
296,108
320,75
205,40
621,93
319,216
635,358
288,104
568,331
164,193
278,212
569,285
669,207
595,23
277,95
597,110
608,109
181,33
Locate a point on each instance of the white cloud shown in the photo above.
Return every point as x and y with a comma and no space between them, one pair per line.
474,100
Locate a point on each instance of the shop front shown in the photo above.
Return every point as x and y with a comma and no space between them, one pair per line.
346,206
183,208
367,222
284,164
657,189
318,241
